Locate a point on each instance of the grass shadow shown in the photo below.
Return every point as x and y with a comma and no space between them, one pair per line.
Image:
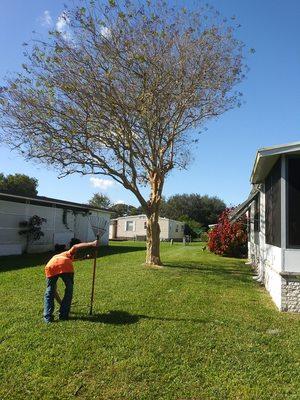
234,271
111,250
119,317
10,263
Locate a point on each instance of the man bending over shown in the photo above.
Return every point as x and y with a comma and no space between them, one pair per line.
61,265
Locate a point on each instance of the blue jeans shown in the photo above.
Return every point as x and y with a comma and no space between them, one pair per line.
64,311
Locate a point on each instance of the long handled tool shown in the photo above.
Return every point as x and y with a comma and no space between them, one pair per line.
98,225
94,276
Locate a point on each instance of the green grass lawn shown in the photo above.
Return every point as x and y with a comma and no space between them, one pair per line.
200,328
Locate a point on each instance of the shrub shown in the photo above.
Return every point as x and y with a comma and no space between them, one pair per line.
229,239
32,229
204,237
59,248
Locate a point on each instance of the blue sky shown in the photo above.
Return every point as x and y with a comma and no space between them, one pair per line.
225,155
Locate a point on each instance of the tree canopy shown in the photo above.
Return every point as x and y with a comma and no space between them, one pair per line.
122,93
100,200
19,184
122,210
203,209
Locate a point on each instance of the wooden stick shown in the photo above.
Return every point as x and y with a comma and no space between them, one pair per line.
94,276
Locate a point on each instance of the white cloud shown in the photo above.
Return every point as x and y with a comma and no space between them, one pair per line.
100,183
119,202
105,31
62,25
62,21
46,19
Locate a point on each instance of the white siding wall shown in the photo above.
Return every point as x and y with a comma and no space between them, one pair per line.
10,216
104,219
292,260
272,262
176,229
55,231
267,258
164,225
138,226
272,281
168,228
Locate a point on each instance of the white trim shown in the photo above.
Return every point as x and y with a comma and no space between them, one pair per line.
280,149
283,210
270,155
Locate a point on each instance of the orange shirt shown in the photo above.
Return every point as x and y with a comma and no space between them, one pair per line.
60,263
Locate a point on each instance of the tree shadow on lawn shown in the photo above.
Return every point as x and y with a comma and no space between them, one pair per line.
118,317
10,263
231,271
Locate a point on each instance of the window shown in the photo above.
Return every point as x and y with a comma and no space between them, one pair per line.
176,230
273,205
145,225
129,226
293,202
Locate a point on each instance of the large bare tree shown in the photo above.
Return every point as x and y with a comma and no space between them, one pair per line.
121,92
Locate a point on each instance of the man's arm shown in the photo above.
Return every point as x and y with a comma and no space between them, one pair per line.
83,246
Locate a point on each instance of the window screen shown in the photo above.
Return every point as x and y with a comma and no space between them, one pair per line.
293,202
273,206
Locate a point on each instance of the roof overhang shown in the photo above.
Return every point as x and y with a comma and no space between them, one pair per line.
242,208
267,157
47,201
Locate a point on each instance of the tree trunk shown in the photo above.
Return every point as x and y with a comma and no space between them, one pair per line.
153,240
153,229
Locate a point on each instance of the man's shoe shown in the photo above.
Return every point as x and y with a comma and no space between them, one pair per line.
63,318
49,320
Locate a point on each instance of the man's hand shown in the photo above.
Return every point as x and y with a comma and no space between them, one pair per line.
95,243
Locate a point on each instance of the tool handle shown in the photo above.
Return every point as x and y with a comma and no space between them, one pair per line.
94,276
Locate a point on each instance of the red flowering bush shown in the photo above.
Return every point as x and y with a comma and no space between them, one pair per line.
229,238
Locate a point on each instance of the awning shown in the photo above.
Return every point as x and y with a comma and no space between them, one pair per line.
242,208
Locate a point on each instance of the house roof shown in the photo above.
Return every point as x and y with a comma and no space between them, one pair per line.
43,201
145,216
242,208
266,157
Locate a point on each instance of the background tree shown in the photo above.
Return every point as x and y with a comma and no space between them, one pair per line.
19,184
205,210
122,93
192,227
122,210
100,200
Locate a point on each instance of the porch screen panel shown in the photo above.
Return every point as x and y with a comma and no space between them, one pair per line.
273,205
293,210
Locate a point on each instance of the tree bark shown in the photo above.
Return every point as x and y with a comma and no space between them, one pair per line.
153,228
153,239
